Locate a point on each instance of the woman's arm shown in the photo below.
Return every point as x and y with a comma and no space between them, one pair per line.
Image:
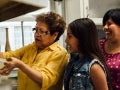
30,72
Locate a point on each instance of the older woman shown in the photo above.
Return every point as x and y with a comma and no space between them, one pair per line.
41,63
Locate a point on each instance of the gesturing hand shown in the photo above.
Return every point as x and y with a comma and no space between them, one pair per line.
10,63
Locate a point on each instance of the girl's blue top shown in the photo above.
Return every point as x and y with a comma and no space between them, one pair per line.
77,73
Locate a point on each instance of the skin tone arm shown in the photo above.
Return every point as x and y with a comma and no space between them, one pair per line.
14,62
98,77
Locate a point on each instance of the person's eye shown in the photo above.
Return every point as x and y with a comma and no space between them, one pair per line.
109,23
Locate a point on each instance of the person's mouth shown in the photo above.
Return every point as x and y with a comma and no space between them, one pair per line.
37,39
107,32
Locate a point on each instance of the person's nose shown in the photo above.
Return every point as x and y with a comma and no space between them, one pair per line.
105,27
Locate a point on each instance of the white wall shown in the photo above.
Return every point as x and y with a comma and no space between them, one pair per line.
72,10
94,9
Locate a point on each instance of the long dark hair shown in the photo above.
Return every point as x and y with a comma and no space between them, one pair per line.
85,30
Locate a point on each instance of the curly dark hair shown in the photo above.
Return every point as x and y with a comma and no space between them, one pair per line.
55,22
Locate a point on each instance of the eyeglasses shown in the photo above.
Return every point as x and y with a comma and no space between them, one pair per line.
40,32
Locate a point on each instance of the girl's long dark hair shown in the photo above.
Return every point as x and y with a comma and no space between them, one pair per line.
85,30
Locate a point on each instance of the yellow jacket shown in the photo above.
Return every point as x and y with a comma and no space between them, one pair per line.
50,62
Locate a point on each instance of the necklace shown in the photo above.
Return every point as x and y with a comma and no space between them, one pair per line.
112,47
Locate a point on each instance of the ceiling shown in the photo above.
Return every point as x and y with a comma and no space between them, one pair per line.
14,8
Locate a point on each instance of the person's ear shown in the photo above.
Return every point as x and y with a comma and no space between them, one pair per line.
55,35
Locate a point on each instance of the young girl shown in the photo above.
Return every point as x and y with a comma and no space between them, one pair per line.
86,69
